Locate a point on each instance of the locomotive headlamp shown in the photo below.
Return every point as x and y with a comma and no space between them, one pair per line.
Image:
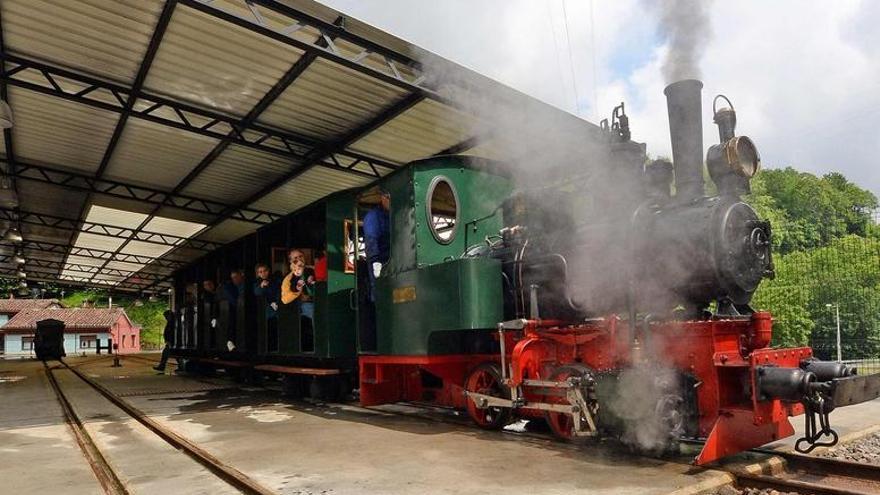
742,156
735,159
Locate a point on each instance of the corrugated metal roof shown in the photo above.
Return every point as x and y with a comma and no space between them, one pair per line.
329,100
96,36
154,155
424,130
48,199
211,63
114,217
124,266
237,173
55,131
44,234
173,226
228,231
310,186
73,67
142,248
84,260
95,241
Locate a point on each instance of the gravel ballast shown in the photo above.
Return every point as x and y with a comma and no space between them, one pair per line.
729,490
865,450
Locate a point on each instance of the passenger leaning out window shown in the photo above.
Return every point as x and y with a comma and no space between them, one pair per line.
299,285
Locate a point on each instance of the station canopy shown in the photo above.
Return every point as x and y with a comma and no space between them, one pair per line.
149,132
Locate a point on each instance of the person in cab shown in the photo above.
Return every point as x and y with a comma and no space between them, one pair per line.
377,237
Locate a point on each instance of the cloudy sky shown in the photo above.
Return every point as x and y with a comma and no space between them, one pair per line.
803,74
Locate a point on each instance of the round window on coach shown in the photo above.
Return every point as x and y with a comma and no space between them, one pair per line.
442,210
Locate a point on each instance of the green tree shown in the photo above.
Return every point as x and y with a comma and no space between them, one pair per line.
809,211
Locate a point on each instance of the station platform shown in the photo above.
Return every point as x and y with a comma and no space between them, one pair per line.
299,447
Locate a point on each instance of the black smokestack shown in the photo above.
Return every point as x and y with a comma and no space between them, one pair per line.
683,101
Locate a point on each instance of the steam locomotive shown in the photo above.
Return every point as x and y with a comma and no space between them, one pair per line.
621,313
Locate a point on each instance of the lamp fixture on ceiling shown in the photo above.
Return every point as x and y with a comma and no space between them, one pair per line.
13,235
8,196
18,258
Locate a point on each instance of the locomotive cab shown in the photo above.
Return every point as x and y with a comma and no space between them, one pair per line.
439,207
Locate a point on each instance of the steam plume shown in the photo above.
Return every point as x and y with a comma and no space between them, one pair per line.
685,26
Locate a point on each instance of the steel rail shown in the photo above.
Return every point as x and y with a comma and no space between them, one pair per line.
220,469
107,478
809,474
780,484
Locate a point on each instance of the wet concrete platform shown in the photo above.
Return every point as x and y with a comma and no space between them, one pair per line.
301,447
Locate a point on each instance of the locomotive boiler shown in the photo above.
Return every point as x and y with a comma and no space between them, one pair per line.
648,250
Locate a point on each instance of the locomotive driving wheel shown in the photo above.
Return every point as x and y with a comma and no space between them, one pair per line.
562,424
486,379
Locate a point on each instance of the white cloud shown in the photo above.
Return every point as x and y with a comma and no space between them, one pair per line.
802,74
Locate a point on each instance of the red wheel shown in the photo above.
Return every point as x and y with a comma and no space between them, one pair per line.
486,379
562,424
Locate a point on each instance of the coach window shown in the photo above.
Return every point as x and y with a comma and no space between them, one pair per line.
442,210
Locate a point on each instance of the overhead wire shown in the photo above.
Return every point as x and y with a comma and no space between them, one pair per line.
555,46
577,98
593,57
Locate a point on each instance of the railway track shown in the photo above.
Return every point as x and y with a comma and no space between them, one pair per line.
814,475
800,474
111,481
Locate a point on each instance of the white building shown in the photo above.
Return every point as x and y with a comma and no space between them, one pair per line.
84,330
10,308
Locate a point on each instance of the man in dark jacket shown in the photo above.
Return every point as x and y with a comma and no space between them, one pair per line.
168,336
233,290
377,237
268,287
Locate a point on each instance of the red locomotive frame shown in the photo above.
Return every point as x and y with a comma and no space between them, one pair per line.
720,354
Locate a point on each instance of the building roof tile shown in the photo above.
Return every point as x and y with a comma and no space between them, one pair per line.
16,305
91,318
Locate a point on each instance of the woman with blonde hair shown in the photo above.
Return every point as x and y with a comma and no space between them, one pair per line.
299,285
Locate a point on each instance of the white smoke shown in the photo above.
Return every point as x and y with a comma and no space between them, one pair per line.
686,28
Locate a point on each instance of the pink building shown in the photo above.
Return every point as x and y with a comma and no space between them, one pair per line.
83,329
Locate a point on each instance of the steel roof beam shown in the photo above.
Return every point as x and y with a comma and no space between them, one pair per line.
86,183
140,77
217,126
70,224
99,254
289,77
337,30
53,278
81,268
280,86
134,93
322,154
393,78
